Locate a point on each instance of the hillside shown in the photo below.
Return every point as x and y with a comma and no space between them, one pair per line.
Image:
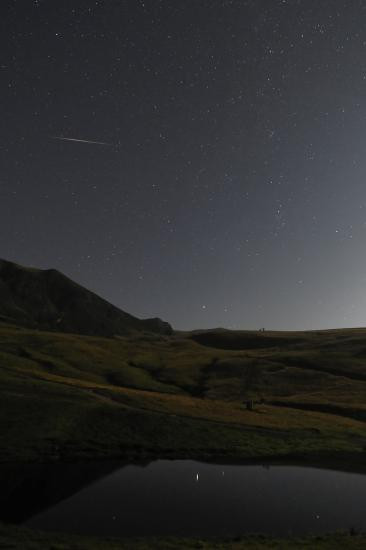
67,396
97,382
48,300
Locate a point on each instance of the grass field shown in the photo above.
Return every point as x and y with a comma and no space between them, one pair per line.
65,396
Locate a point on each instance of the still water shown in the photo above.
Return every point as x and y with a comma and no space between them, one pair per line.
185,497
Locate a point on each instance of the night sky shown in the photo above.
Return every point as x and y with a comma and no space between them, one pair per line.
229,185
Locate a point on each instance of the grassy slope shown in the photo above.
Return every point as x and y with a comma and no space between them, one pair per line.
69,396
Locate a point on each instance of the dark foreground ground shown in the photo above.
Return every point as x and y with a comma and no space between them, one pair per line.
25,539
66,397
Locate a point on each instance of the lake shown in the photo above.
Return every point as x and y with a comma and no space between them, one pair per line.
183,498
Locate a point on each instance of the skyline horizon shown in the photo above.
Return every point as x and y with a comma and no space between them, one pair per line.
186,328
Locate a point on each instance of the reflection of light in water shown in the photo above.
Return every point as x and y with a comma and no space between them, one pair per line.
223,473
196,477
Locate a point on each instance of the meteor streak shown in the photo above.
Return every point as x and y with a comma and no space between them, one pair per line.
82,140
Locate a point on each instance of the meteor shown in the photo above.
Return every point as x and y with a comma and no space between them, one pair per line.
82,140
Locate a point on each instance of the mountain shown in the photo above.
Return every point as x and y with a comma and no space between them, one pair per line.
48,300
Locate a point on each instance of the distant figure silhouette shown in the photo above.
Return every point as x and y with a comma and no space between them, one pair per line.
250,405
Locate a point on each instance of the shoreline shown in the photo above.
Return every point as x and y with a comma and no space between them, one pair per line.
28,539
342,461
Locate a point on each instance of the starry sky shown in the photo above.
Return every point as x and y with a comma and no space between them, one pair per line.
228,188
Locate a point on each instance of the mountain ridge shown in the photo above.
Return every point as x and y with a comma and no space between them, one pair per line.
49,300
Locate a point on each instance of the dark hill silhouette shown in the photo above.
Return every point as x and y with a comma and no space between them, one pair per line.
48,300
240,339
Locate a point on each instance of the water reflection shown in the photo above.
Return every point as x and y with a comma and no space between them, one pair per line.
26,489
185,497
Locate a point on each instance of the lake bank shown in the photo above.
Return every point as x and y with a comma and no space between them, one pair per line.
28,539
